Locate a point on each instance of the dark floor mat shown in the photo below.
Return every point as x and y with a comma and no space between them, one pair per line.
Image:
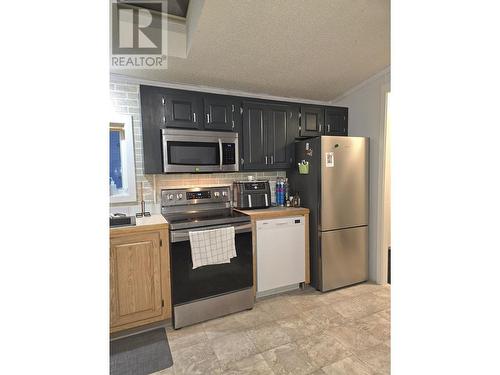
140,354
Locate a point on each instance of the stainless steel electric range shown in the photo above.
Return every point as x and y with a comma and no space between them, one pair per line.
210,291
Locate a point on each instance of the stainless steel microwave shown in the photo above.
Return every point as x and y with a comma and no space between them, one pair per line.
199,151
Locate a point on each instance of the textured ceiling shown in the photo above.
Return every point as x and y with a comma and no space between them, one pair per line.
314,49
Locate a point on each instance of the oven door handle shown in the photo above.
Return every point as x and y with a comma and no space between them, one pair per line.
183,235
220,154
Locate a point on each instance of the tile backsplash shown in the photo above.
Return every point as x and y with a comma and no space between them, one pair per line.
125,100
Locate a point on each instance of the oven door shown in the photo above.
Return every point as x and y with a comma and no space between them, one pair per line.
199,151
190,284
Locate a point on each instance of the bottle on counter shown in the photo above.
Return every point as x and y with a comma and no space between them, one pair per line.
287,192
282,193
276,191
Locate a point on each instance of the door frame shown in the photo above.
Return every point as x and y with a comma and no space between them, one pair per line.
382,251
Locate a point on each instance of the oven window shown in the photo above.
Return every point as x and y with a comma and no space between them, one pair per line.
190,284
193,153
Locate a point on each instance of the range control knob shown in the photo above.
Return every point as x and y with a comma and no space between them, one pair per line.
179,196
216,194
170,197
224,193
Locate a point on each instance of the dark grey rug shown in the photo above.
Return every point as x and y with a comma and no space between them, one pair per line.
140,354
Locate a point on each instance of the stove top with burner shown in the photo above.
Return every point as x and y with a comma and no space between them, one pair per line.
199,207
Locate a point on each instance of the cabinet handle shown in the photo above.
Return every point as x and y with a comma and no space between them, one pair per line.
162,100
272,159
328,128
320,128
194,116
232,107
266,159
164,119
232,124
242,161
208,118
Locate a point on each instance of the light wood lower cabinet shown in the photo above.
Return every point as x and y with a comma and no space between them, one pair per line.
139,279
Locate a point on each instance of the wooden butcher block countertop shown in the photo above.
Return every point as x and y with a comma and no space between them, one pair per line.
275,212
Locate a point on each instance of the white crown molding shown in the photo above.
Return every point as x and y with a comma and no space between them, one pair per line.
114,77
360,85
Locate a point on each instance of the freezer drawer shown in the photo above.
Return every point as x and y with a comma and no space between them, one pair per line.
344,254
280,253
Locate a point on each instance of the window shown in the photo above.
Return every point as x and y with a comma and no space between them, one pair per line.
121,160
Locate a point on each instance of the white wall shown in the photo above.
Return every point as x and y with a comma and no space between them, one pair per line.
366,103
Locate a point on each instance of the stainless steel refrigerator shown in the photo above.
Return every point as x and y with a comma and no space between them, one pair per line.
336,192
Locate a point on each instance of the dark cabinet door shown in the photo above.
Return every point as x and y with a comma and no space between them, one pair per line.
311,120
153,113
254,137
220,112
336,121
280,136
268,134
182,109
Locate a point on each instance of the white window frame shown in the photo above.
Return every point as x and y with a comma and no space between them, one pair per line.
127,158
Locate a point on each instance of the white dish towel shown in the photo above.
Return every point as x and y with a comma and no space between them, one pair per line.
214,246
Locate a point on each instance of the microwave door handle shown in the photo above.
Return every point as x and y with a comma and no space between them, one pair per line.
220,154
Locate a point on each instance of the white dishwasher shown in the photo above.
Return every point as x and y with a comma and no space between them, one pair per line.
280,254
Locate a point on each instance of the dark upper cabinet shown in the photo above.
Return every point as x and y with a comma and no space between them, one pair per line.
280,136
220,112
312,119
277,138
183,109
336,121
266,129
153,113
254,134
268,134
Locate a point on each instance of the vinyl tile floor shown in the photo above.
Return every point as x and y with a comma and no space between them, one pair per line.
346,331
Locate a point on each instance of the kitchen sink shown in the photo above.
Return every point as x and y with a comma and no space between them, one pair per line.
121,221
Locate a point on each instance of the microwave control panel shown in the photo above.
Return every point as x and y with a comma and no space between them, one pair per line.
228,154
